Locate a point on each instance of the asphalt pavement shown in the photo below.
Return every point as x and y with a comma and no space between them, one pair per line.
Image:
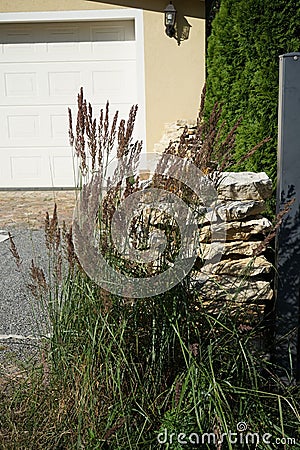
22,322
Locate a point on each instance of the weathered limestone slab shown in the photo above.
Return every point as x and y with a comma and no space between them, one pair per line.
233,289
231,248
249,267
235,210
244,186
238,230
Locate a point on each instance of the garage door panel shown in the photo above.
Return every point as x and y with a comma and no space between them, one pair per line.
113,80
11,51
53,32
63,83
84,51
59,124
61,170
40,84
16,82
20,84
67,41
32,126
36,168
116,82
17,40
26,126
22,168
26,168
113,51
59,83
23,126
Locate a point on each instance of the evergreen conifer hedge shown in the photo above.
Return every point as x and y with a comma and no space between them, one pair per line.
242,66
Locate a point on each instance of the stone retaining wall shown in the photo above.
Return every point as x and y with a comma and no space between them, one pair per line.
172,132
239,276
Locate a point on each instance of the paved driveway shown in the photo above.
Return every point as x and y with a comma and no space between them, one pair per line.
20,321
27,208
22,214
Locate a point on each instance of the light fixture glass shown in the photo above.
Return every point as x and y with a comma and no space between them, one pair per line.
170,19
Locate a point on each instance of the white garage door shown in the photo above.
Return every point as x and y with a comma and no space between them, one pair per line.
42,67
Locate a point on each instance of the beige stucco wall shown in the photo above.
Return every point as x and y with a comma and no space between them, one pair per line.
174,74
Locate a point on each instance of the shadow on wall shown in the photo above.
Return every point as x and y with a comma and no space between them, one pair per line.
182,28
287,349
189,8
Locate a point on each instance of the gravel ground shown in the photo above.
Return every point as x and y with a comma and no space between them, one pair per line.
20,322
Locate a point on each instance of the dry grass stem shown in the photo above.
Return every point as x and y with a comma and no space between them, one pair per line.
15,252
272,234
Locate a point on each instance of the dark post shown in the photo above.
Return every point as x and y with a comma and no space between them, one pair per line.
288,237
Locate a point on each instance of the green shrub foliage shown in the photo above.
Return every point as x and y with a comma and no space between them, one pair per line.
243,60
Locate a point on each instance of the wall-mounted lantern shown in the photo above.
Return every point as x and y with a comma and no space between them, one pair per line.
170,19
